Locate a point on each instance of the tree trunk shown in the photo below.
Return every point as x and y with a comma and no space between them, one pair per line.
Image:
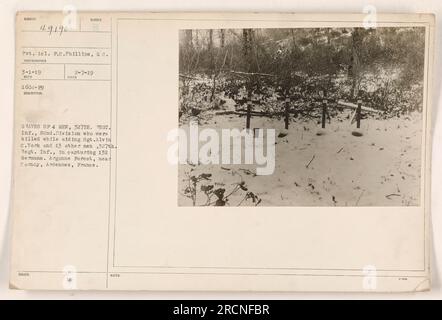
212,64
222,38
355,62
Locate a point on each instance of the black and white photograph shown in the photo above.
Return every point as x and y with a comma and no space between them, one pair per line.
264,151
301,117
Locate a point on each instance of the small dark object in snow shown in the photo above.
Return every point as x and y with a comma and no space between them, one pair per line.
381,149
282,134
357,133
351,158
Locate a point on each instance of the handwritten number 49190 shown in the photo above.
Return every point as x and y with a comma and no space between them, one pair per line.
53,29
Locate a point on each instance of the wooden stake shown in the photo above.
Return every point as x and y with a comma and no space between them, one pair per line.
249,115
358,114
324,112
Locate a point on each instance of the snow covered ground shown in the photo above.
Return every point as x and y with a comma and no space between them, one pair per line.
380,168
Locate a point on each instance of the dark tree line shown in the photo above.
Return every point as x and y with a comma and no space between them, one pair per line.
383,66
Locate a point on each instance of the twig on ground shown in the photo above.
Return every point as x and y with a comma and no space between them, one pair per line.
388,196
359,198
252,74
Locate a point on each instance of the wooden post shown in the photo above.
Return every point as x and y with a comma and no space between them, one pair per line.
249,115
358,114
324,112
287,112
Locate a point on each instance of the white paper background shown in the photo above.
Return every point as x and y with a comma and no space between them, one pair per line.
7,16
